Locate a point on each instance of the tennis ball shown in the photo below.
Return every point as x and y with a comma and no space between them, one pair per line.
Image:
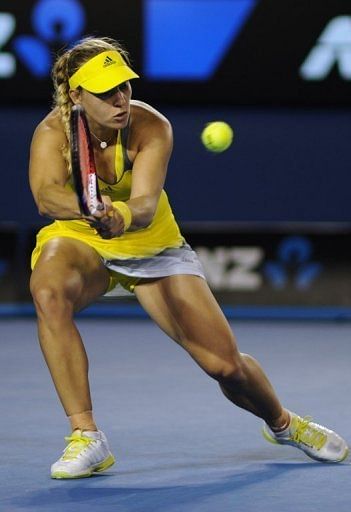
217,136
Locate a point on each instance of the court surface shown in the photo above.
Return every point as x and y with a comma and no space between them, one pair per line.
180,446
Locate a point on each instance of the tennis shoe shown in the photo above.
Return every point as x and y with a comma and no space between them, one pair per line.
316,441
87,452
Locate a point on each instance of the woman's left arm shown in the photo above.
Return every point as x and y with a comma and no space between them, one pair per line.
149,170
153,139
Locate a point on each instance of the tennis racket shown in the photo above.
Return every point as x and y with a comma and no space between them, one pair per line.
83,163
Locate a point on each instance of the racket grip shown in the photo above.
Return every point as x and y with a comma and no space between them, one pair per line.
98,208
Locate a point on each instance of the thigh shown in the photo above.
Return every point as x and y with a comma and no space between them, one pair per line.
185,308
72,268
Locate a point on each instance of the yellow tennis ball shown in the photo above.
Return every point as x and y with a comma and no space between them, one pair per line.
217,136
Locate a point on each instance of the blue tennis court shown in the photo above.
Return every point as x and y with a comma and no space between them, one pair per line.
266,206
179,445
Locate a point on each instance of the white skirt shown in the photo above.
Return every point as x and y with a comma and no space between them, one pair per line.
182,260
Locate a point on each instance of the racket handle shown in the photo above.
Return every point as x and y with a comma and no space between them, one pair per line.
98,208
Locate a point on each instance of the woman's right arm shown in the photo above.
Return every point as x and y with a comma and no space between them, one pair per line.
48,174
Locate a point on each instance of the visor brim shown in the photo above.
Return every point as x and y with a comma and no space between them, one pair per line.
108,79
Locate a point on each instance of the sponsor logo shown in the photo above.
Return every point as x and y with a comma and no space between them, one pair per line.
293,264
247,268
332,49
54,22
187,39
232,268
108,62
7,60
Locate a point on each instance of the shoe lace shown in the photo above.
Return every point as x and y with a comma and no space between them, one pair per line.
304,432
76,444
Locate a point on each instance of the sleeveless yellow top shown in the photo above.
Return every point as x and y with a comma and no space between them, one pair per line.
162,233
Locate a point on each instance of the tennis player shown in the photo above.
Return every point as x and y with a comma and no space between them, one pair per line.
135,244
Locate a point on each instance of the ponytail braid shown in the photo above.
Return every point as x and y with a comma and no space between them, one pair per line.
62,100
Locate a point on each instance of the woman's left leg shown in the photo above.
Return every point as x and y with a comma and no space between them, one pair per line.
184,307
186,310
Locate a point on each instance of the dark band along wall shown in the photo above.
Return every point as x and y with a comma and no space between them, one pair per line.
282,267
286,165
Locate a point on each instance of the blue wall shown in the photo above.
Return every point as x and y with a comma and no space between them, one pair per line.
284,165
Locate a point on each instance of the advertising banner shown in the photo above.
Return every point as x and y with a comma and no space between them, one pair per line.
276,268
244,267
196,51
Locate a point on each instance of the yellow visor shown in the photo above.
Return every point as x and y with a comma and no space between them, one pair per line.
102,73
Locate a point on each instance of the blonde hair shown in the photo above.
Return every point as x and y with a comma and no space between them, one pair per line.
66,65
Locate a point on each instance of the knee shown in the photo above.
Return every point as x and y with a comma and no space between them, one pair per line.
228,370
50,301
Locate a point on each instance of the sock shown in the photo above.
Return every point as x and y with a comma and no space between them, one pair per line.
283,428
83,421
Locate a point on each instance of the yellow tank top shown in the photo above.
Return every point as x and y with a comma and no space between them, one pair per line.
162,233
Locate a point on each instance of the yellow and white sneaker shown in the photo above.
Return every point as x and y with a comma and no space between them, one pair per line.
87,452
316,441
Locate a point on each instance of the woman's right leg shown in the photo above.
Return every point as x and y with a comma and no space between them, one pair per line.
67,277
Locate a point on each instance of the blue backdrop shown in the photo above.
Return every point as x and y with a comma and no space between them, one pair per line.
284,165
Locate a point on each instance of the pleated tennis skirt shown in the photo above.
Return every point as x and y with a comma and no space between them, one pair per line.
127,273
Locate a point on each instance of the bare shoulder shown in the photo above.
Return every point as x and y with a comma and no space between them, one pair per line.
46,156
147,124
144,114
50,130
143,111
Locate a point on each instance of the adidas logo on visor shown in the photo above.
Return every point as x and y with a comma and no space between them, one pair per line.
108,61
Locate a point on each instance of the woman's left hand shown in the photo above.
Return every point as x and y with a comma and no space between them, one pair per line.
109,222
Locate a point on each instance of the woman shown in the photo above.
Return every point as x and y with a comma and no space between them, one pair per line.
134,243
